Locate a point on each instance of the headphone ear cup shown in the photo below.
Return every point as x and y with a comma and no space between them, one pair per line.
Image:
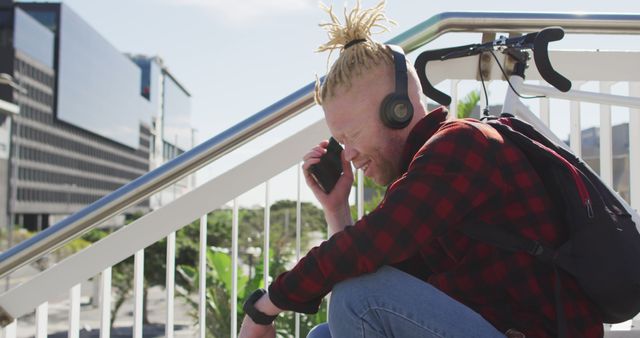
396,111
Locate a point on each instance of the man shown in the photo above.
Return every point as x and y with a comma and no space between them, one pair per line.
406,269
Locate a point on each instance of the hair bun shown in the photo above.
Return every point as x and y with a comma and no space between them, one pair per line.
358,25
358,51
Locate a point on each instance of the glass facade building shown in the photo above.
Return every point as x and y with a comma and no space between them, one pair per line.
171,120
95,77
85,126
176,119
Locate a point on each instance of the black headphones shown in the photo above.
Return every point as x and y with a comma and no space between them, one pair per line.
396,110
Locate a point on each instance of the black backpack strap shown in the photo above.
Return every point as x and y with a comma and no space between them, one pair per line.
503,238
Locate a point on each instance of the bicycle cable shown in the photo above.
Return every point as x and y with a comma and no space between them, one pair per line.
509,82
485,111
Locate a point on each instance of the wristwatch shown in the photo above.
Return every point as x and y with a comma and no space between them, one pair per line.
256,315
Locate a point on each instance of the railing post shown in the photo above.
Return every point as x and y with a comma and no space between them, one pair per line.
138,292
170,282
544,109
606,138
511,101
575,138
10,330
202,283
298,234
267,229
234,270
453,107
74,312
42,314
105,303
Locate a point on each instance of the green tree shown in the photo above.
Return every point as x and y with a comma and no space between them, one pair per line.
377,193
466,105
218,295
121,285
283,220
250,221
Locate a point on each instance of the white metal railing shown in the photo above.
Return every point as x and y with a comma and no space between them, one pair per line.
163,223
160,223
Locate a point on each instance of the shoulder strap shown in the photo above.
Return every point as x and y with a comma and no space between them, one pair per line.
503,238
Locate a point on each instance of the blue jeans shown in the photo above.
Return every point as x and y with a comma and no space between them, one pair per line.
391,303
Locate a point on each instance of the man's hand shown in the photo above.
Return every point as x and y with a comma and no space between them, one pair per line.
250,329
335,203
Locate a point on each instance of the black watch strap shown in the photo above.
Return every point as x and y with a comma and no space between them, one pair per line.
250,309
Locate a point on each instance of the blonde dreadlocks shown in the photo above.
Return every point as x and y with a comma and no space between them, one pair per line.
358,52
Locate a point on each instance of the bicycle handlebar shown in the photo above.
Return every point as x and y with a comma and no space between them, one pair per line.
537,41
541,56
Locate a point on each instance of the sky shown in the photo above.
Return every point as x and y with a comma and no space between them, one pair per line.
236,57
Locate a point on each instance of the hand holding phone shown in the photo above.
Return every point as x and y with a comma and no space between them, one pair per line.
327,172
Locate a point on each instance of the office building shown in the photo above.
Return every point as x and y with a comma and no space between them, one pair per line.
87,120
171,131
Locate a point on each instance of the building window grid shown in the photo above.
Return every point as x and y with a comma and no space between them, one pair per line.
37,155
60,142
34,73
36,175
40,156
61,197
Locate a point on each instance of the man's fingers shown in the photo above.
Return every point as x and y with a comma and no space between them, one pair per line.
313,185
314,154
309,162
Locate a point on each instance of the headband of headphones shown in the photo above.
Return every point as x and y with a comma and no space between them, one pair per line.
400,66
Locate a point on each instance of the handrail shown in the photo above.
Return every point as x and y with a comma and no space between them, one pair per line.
270,117
494,22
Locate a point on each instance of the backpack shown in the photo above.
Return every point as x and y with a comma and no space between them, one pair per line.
603,248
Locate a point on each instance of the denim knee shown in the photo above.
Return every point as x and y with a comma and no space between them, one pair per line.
343,296
320,331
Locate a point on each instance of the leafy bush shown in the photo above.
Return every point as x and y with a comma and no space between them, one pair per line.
219,290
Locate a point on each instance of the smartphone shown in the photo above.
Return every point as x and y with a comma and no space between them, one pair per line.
327,172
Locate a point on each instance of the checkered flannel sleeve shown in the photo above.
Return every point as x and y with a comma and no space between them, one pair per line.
450,175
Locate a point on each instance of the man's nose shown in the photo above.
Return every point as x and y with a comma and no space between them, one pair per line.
349,153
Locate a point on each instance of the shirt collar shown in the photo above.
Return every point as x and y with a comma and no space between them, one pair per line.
421,132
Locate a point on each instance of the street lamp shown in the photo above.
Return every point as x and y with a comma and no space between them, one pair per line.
7,108
10,110
7,80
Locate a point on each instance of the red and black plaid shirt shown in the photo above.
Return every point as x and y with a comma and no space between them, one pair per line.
457,173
